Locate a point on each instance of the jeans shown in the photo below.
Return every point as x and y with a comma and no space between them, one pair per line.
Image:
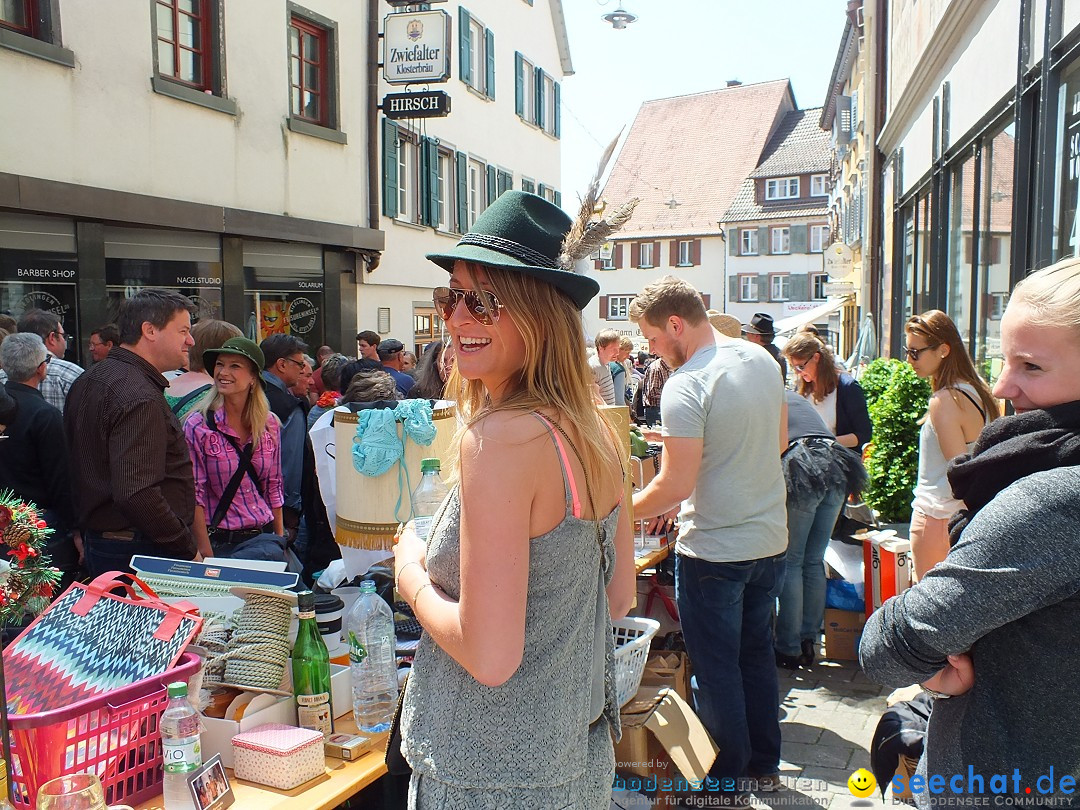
726,611
114,555
802,601
652,415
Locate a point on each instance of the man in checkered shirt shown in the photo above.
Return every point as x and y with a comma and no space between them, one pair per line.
60,374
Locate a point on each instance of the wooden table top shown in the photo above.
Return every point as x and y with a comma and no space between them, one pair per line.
650,559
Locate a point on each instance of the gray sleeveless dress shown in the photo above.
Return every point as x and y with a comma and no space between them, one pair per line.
542,739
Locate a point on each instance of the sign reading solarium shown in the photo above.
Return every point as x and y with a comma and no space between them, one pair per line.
416,47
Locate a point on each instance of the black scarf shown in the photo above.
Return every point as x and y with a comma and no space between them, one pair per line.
1012,448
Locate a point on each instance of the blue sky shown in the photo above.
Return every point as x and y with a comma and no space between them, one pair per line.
678,47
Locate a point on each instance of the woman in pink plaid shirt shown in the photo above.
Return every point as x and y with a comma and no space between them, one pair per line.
234,418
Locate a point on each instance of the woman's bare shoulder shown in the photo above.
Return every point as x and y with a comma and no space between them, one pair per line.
512,428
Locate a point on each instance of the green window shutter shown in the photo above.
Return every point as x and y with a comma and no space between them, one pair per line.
541,191
557,130
429,150
527,185
519,84
506,181
462,192
800,287
734,245
733,288
492,187
764,241
798,238
489,55
390,168
539,101
464,45
558,198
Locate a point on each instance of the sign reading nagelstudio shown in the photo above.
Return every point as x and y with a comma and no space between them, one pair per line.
429,104
416,47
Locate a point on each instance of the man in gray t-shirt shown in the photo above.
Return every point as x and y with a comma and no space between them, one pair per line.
722,412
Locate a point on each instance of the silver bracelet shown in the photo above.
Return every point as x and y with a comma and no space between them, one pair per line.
397,582
934,693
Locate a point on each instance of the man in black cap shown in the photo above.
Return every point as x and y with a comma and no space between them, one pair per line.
390,351
761,331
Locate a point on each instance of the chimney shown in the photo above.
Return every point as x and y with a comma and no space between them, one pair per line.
733,83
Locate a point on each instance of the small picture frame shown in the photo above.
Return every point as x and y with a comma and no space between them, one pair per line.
209,786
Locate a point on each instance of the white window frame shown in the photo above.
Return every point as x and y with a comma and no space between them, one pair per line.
477,55
477,190
645,255
782,188
779,286
685,253
817,286
780,240
408,151
447,191
529,89
619,307
996,305
549,104
819,238
748,287
748,245
819,185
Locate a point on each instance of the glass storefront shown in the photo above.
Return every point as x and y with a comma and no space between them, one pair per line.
283,291
200,282
41,280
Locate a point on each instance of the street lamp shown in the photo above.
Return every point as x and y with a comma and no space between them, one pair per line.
619,18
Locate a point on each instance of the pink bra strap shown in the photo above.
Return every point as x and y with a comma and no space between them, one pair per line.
568,474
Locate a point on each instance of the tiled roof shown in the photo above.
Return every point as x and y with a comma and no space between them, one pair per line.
799,146
746,207
698,148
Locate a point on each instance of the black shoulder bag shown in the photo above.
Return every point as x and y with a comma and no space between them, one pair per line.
245,466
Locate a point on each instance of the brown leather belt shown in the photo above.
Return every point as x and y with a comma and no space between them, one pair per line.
116,535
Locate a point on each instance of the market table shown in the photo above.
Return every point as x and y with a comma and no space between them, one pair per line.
341,780
650,559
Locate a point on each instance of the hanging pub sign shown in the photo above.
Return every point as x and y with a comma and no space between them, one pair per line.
429,104
416,47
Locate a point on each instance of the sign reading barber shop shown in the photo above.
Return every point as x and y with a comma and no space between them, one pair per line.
416,47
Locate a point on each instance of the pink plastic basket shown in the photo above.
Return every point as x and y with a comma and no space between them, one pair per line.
114,735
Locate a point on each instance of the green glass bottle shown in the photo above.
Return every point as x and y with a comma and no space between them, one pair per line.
311,671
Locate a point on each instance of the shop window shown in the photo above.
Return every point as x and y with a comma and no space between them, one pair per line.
748,287
748,242
781,240
43,279
426,326
283,288
779,287
782,188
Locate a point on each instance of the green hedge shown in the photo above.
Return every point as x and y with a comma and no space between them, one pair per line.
897,400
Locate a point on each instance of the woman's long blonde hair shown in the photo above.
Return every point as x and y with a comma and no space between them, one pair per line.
256,409
554,376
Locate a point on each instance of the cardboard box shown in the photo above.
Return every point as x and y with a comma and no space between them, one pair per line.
259,709
663,737
843,631
886,567
668,669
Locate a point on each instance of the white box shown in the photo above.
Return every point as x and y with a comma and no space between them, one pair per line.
277,755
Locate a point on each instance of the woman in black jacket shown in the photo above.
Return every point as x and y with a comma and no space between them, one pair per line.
834,393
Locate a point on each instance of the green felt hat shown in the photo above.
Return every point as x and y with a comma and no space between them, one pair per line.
235,345
522,232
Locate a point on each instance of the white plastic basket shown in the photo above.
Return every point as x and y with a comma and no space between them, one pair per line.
632,636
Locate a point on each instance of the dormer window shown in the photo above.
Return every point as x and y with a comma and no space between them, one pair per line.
782,188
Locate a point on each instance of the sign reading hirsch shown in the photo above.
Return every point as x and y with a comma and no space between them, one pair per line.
429,104
416,47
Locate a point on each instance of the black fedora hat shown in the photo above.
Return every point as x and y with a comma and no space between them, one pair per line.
761,324
524,233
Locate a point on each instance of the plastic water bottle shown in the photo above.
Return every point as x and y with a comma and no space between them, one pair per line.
371,656
180,747
428,496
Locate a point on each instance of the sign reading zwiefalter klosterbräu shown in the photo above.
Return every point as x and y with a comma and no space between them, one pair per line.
416,47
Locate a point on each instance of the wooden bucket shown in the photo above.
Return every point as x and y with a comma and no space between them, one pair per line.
365,504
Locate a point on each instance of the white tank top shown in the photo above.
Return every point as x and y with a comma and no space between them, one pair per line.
933,495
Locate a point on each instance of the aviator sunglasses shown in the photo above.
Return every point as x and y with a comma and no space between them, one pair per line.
482,305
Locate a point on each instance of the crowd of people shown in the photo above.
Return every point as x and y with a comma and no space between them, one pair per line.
531,555
181,441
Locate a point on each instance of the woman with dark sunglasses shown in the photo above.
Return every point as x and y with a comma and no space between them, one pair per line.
511,698
960,406
834,393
